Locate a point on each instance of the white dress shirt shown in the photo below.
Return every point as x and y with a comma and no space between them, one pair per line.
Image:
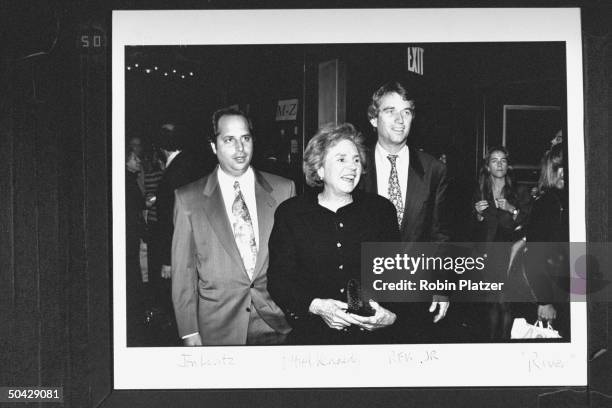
383,170
247,186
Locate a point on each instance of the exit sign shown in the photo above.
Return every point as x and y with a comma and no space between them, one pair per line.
415,60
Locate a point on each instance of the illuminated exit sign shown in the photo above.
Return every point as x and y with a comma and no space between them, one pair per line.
415,60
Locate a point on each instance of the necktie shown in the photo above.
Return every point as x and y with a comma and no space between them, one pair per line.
244,233
395,193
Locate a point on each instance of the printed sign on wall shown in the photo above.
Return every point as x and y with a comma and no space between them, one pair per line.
287,109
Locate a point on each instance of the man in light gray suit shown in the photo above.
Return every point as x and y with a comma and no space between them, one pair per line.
222,223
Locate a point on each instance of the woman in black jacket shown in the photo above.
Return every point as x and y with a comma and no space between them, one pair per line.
315,244
499,211
547,242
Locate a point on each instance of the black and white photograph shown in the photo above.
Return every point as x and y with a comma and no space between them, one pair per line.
256,169
503,106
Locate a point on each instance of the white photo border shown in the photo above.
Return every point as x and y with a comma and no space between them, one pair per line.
443,365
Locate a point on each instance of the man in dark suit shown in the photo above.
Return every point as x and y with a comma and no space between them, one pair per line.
220,245
181,168
413,181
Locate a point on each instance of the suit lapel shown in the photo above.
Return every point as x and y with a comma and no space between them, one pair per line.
369,183
266,204
217,216
416,192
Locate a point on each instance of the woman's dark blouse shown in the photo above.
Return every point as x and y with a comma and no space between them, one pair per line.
314,251
499,225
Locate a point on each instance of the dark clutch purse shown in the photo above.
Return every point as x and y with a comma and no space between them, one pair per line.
354,299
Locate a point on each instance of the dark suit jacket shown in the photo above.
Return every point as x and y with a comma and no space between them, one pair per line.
425,216
183,169
211,290
425,220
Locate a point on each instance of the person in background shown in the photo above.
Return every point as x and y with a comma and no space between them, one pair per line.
220,245
181,167
134,206
547,266
135,147
557,139
315,244
499,212
153,165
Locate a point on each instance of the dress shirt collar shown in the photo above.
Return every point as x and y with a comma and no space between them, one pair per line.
245,179
171,157
402,154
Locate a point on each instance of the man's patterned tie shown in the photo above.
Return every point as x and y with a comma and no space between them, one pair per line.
244,233
395,193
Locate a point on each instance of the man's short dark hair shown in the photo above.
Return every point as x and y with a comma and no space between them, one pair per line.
217,115
170,137
389,87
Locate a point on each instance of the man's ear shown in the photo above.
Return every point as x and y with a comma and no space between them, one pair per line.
374,122
213,147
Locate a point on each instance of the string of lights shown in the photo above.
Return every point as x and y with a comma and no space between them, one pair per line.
156,70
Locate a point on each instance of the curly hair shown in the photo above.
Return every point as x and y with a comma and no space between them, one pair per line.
326,137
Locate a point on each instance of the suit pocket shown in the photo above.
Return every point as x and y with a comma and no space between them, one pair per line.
207,294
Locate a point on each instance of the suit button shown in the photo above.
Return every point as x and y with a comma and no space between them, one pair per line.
341,267
338,245
342,290
248,309
252,285
341,225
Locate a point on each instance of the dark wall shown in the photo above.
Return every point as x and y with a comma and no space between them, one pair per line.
55,209
597,68
55,212
460,94
254,77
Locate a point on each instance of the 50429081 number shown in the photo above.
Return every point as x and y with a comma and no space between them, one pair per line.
8,394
